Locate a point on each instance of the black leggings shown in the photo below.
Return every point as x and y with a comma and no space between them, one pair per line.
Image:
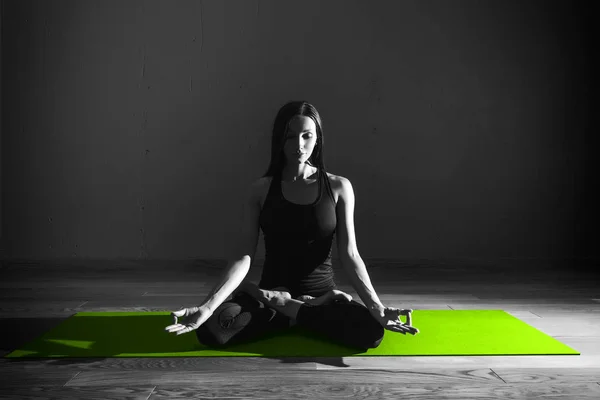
245,319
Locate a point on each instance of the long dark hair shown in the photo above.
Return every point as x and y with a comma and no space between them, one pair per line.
280,126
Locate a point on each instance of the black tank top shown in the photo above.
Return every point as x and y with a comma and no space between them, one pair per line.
298,240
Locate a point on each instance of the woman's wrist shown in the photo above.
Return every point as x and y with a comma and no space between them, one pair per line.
376,309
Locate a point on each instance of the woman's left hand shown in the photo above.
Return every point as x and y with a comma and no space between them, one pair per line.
389,318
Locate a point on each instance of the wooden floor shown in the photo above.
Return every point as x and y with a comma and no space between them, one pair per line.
554,297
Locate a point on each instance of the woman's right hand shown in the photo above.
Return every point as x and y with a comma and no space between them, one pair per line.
191,319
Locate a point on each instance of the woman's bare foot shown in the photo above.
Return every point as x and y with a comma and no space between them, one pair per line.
278,296
281,300
327,298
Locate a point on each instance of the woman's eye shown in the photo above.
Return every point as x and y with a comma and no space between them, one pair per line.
305,137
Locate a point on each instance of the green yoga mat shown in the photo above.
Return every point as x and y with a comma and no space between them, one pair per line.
142,334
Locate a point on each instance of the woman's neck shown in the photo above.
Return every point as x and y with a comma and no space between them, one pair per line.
300,172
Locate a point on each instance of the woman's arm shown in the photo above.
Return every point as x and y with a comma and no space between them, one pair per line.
233,276
357,272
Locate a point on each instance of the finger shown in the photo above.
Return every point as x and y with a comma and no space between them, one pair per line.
178,313
402,312
184,330
396,327
176,328
405,328
409,319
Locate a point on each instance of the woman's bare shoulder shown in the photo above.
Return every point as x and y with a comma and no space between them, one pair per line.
332,176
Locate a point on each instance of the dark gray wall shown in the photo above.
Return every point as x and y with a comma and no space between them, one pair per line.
2,250
133,127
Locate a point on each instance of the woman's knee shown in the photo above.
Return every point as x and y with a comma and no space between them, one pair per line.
375,337
206,336
370,335
217,330
238,321
349,323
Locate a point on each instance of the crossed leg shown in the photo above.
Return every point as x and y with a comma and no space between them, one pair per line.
256,312
280,299
333,314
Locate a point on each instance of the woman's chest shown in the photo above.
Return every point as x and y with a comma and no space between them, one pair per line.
302,193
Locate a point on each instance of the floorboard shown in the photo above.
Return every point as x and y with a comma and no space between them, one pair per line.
35,296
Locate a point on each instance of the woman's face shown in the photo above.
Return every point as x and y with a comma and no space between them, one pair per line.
300,136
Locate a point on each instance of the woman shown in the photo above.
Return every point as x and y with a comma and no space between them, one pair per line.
299,207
